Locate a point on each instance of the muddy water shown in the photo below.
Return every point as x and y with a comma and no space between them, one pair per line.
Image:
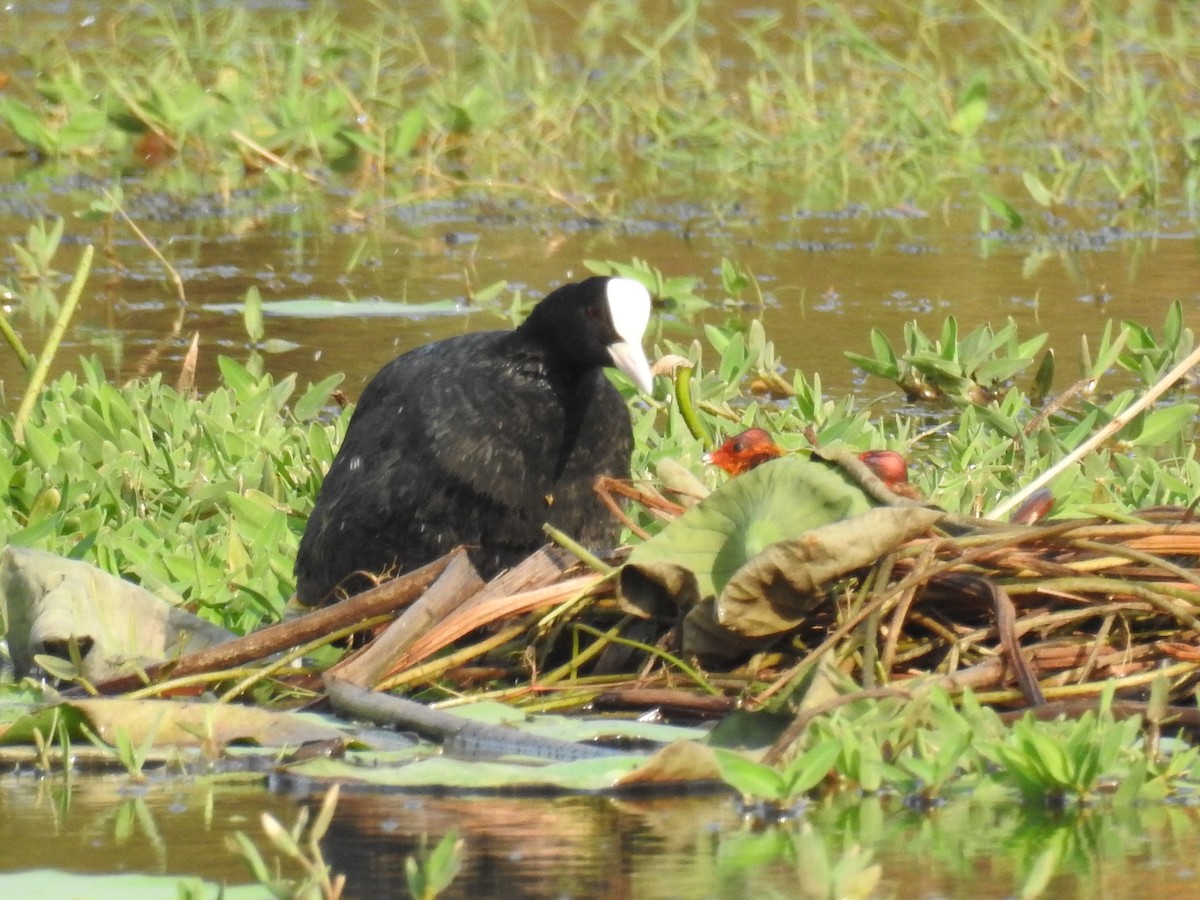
826,280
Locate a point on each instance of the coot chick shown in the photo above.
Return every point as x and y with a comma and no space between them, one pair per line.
754,446
478,440
744,452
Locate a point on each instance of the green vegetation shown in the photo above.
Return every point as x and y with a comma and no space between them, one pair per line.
929,748
301,845
1026,120
431,873
1055,106
172,491
199,500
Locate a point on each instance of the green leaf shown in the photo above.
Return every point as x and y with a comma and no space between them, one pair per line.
42,447
1043,379
874,366
254,508
1164,425
316,398
444,863
1173,326
1047,754
999,371
949,339
969,116
27,125
252,314
776,501
883,349
1002,208
749,778
407,131
236,378
809,769
1040,193
1040,873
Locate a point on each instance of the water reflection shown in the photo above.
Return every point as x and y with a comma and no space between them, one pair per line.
583,847
110,824
699,847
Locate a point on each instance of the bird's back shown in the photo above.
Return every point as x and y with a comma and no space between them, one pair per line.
477,441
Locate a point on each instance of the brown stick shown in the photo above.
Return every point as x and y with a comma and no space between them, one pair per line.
532,584
371,603
457,582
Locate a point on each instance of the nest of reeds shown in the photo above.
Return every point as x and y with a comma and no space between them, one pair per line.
886,593
1020,615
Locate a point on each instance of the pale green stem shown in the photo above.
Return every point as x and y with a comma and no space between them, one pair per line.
38,378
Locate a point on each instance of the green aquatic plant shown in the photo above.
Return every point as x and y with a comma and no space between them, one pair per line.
813,102
171,491
1072,762
31,291
822,866
1002,429
429,874
770,793
970,368
301,845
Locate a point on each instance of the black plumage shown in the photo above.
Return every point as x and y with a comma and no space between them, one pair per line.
480,439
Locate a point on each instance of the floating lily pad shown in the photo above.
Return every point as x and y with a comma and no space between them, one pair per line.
324,308
756,556
683,764
576,728
777,501
776,589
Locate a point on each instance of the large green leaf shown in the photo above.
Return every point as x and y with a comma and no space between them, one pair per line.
777,501
754,558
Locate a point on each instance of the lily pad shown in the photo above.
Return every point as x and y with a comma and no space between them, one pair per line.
683,764
576,728
775,590
324,308
777,501
752,560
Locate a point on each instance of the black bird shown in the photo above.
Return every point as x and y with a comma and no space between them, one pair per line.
478,440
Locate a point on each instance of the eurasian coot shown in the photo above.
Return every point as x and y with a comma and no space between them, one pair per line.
480,439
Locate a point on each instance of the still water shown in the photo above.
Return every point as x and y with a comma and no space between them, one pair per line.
584,847
826,280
